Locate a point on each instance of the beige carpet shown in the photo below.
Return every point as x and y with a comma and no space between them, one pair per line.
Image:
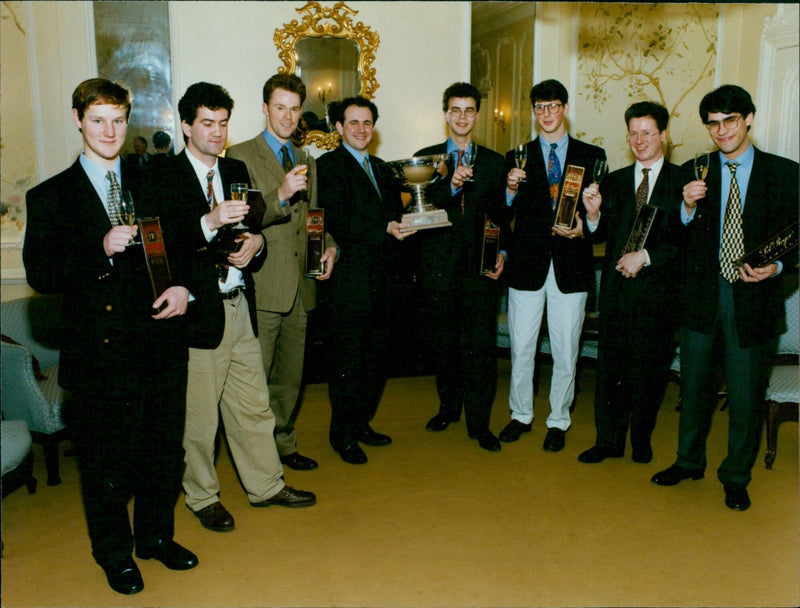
433,520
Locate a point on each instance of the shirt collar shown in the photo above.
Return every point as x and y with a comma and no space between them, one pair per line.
97,174
561,144
655,169
745,159
201,169
275,145
359,156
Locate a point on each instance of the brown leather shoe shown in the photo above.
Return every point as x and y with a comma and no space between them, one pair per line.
288,497
215,517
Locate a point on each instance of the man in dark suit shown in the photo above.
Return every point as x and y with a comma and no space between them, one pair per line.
123,358
225,371
459,299
361,212
548,264
637,314
747,197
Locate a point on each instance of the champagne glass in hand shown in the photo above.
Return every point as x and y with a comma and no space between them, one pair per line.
600,170
127,214
239,193
470,152
701,161
521,158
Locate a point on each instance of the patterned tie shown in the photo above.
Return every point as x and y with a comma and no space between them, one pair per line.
212,200
368,169
286,160
114,198
643,190
458,164
732,246
553,176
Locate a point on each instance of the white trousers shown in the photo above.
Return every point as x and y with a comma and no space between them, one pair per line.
565,312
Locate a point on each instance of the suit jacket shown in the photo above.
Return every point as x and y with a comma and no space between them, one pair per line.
284,228
770,205
196,261
446,256
652,290
357,217
533,246
110,345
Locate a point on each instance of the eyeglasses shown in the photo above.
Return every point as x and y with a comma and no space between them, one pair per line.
551,108
458,112
643,134
730,123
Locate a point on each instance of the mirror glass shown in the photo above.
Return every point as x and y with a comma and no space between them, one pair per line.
329,69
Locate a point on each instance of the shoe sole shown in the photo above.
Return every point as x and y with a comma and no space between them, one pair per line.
298,505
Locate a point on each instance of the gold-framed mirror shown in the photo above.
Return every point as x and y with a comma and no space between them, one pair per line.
334,58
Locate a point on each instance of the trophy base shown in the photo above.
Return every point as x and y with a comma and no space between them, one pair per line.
424,220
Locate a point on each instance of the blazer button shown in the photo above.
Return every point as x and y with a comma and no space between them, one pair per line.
106,340
109,308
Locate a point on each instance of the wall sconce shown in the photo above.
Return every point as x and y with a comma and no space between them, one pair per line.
323,94
499,119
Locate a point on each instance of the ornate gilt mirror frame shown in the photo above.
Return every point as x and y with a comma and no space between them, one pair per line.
336,22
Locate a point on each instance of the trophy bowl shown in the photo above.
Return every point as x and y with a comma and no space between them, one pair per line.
414,175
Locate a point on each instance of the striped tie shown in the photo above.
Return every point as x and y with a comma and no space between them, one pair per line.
114,198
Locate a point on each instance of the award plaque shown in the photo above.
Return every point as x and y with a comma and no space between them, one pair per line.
771,249
415,174
491,246
155,254
641,228
565,214
315,242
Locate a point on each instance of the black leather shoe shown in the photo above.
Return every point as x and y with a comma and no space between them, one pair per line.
299,462
554,441
439,422
353,454
215,517
124,576
169,553
642,455
514,430
599,453
674,475
736,497
370,437
487,440
288,497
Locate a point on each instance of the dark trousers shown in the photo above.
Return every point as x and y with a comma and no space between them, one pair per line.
357,372
131,448
461,334
634,353
746,377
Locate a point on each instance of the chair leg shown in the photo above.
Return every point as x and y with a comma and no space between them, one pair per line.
51,462
30,480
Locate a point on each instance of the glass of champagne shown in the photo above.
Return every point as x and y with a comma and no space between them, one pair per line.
470,152
239,193
701,161
600,170
521,158
126,214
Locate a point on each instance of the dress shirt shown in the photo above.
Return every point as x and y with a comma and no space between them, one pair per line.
97,175
359,156
275,145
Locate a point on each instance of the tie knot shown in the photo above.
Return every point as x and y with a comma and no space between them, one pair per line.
112,177
210,175
732,167
553,147
645,170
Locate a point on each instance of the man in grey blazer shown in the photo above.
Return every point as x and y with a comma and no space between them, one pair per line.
286,178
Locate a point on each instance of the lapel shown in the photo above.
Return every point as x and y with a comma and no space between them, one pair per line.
93,209
268,159
196,192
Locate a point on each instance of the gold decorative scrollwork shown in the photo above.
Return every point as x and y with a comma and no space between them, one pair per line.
318,21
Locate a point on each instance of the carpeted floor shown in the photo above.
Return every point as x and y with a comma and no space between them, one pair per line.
433,520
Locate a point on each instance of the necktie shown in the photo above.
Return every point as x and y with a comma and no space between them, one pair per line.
643,190
286,160
553,176
212,200
114,198
461,160
368,169
732,245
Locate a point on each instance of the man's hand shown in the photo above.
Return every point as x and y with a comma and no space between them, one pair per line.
748,274
693,192
394,228
498,267
227,212
572,233
328,258
174,300
514,177
592,199
460,175
251,245
295,181
118,238
631,263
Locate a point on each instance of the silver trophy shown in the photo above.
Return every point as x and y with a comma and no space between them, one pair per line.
415,174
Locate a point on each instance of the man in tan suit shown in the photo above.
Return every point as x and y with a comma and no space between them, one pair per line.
286,177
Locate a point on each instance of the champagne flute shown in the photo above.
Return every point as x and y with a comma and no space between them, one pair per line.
600,170
239,193
701,161
126,213
521,157
470,152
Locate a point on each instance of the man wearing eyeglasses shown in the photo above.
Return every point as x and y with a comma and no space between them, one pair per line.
547,264
460,301
730,313
637,315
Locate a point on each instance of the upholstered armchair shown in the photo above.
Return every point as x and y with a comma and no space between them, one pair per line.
30,390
